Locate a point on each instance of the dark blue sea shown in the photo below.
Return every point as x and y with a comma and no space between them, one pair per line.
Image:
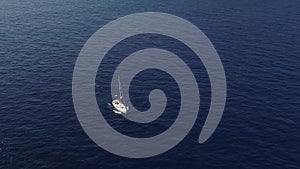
258,43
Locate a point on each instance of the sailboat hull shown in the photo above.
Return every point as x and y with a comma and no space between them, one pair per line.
119,107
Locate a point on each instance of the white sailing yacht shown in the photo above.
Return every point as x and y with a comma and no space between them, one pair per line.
118,104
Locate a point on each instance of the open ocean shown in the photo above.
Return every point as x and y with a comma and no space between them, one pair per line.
257,41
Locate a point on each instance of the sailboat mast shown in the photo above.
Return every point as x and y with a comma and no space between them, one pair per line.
120,94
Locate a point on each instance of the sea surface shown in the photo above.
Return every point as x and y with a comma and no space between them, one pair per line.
258,43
